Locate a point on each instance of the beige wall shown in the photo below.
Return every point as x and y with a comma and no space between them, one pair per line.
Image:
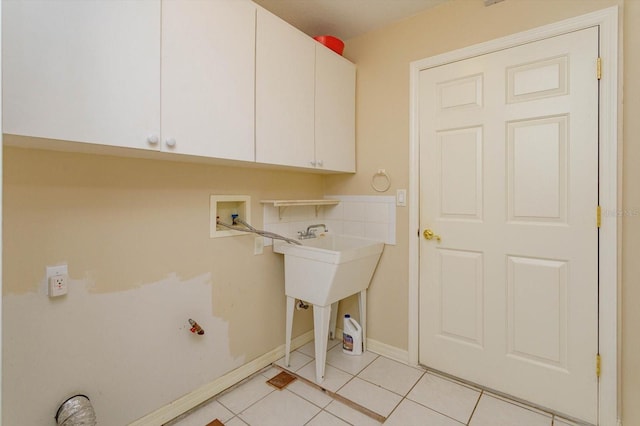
383,59
135,234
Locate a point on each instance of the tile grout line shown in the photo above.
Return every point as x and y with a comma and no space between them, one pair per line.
316,415
520,404
302,397
353,376
405,395
497,395
216,398
475,407
344,371
426,371
340,398
299,368
389,390
362,409
247,407
361,370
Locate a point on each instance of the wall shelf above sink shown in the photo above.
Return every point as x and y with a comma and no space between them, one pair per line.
283,204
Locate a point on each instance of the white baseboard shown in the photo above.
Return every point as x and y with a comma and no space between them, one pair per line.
208,391
388,351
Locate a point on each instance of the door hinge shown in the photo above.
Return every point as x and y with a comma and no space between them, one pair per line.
599,68
598,216
598,361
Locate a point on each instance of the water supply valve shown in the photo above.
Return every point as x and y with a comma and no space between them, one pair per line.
195,328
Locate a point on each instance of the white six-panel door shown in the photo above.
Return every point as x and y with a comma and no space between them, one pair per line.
509,182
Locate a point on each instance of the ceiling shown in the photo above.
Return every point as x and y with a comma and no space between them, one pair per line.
344,19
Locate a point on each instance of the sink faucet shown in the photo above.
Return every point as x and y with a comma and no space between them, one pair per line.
311,231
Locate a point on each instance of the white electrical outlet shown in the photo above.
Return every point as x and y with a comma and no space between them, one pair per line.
58,285
57,280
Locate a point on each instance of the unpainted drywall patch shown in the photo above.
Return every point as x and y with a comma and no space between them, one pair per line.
130,352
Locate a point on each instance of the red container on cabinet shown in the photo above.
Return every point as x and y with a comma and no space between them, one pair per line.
331,42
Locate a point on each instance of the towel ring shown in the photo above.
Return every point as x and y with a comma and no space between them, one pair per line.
381,181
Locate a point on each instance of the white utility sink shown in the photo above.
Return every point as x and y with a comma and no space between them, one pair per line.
328,268
322,271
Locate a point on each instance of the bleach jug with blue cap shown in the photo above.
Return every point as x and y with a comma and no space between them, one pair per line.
351,336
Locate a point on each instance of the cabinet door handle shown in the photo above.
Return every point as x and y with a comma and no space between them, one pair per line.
171,142
313,163
152,139
320,163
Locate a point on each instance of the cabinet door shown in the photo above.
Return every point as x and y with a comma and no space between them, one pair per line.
86,71
285,64
208,73
335,111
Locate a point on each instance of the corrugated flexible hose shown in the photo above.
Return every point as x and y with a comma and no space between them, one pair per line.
76,411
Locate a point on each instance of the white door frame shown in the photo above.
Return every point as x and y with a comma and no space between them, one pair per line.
610,201
1,192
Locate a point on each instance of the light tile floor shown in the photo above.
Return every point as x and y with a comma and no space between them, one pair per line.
407,396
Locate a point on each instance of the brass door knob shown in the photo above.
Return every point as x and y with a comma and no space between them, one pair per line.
429,235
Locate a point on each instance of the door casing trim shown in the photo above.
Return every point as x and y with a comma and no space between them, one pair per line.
609,191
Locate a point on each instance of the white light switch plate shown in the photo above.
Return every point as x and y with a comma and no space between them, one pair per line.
401,198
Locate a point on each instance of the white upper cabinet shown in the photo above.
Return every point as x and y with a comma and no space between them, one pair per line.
285,68
305,100
208,72
85,71
94,72
335,111
220,79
